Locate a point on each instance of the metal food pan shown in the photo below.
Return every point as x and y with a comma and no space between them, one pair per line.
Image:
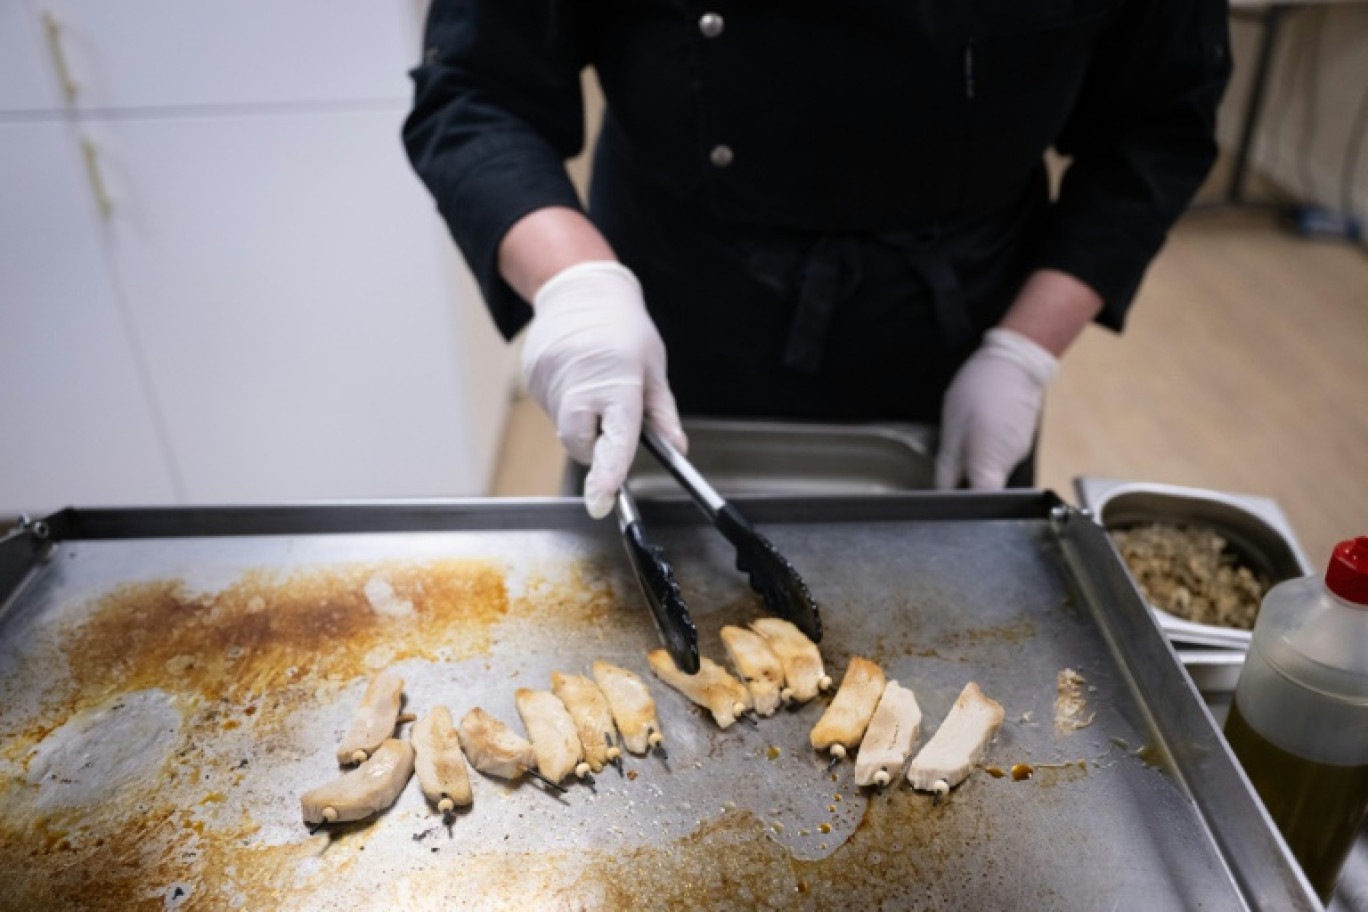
746,458
1255,529
171,680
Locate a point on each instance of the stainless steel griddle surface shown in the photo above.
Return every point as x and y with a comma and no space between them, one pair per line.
164,701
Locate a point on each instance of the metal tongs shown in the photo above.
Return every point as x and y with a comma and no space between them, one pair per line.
658,584
771,574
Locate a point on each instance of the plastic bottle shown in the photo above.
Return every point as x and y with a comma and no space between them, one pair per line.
1299,723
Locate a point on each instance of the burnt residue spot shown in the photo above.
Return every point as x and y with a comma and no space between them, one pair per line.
264,631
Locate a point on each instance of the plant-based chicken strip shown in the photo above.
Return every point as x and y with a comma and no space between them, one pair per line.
375,718
712,688
804,677
959,744
593,719
845,720
440,765
555,741
493,748
632,706
757,665
364,791
888,741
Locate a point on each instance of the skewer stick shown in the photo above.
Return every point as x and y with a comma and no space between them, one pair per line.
744,714
329,816
614,753
359,756
838,753
405,717
536,775
941,788
657,741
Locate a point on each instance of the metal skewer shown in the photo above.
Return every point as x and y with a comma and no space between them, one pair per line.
536,775
616,760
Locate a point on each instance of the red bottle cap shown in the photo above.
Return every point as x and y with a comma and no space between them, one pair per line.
1347,576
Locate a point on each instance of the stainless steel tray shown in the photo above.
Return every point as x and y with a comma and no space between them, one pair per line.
181,675
1255,528
791,458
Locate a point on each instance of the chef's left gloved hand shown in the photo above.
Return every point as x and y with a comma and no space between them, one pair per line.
991,411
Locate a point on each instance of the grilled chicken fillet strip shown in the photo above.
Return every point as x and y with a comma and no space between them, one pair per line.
593,719
493,748
712,688
843,724
440,764
758,666
364,791
803,674
959,744
631,704
888,741
555,741
375,718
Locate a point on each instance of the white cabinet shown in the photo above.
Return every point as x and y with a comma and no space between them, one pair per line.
200,54
28,81
76,422
270,308
285,277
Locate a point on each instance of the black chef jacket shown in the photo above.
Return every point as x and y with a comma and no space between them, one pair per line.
827,203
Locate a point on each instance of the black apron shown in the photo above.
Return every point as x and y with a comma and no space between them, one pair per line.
763,322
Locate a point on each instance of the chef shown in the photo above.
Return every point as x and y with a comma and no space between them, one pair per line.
818,210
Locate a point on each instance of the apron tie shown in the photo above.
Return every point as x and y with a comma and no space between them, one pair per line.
830,273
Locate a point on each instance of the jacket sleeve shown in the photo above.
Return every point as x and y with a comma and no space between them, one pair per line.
497,110
1142,139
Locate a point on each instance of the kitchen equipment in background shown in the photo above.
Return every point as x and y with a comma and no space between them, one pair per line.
1255,530
742,458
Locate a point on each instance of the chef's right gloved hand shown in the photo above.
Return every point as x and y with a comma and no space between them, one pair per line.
594,361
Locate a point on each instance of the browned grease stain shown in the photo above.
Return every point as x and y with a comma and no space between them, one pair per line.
247,657
243,639
733,862
1022,771
994,771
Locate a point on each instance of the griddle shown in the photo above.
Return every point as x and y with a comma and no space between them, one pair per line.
172,679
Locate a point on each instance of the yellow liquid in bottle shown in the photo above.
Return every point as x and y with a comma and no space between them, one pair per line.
1319,807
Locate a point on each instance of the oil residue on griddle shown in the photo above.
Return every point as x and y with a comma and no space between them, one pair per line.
994,771
247,658
1152,756
265,630
1022,771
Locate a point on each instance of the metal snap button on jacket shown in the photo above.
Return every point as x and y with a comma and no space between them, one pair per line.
711,25
721,156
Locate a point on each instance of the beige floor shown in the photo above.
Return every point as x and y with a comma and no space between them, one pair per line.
1244,368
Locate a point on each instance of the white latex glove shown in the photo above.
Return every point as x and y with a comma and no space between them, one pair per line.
992,409
594,360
